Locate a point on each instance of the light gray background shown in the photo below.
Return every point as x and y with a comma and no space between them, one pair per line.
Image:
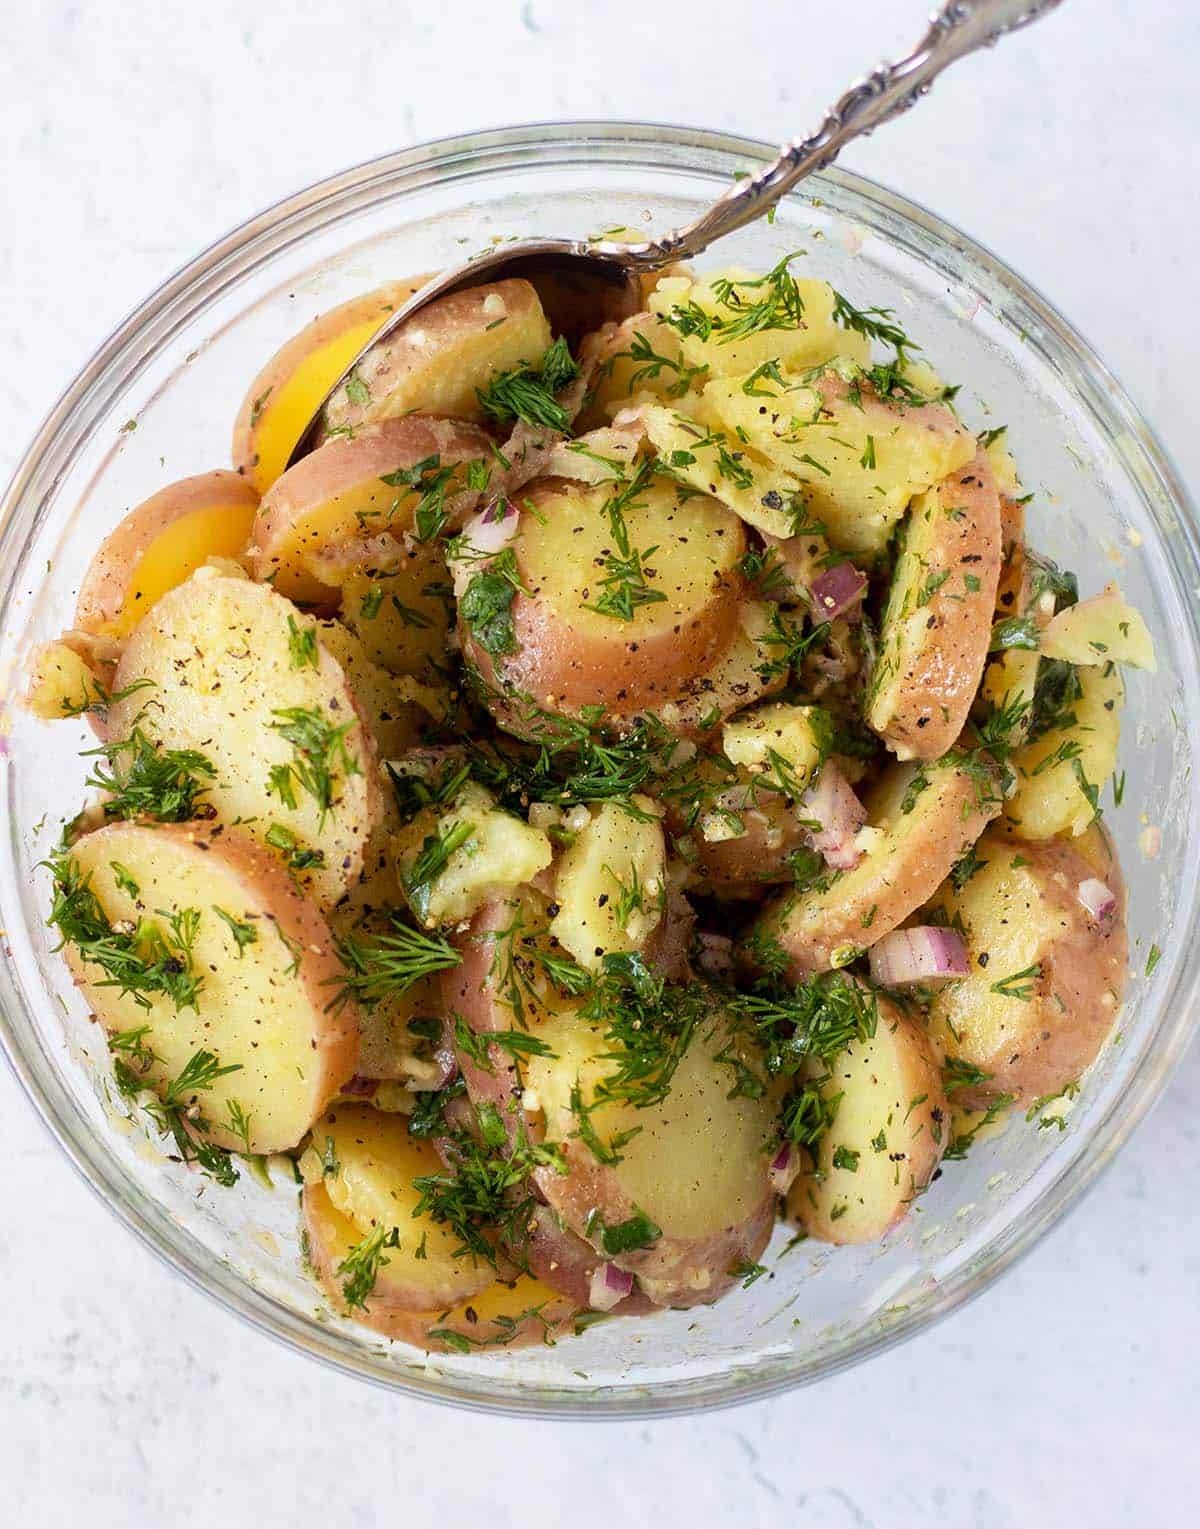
135,133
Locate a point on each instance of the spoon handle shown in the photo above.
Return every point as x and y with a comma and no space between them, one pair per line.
959,28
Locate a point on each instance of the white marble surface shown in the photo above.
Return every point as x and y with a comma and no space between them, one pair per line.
135,133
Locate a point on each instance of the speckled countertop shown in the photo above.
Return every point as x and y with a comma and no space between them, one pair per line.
135,134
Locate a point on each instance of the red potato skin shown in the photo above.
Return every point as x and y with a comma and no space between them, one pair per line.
566,1263
304,930
102,592
940,679
467,990
345,463
742,867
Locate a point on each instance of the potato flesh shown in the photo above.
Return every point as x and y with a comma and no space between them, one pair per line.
396,719
856,466
696,545
887,1137
259,1007
501,853
378,1162
610,884
218,653
817,340
218,530
61,683
438,359
401,614
669,1169
1050,798
1102,630
795,733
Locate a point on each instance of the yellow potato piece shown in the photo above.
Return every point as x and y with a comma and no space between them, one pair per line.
799,735
1055,773
611,884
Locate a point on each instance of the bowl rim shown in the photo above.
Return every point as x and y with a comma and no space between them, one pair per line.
1108,1133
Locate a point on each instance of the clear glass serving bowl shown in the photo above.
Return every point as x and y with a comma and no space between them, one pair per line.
1106,503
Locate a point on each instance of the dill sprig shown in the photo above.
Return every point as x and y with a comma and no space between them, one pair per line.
429,480
319,749
527,392
360,1268
140,960
386,964
144,780
751,306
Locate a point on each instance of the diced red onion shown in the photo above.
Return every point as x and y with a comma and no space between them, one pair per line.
785,1165
837,591
1098,898
609,1287
927,953
831,802
360,1087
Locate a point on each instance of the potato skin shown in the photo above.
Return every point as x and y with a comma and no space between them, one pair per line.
267,891
816,929
893,1118
502,323
566,1263
298,515
1034,1047
933,653
112,576
281,399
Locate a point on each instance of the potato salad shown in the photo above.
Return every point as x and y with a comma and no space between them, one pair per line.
608,798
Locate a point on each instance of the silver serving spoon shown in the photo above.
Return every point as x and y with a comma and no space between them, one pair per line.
601,280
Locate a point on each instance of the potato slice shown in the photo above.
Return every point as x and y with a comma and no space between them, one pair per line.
62,683
159,545
372,1189
638,360
434,362
1061,774
887,1137
503,1315
402,611
1102,630
265,960
920,822
225,658
855,460
680,1216
796,736
338,495
398,712
723,296
288,391
611,885
938,623
566,654
1046,975
488,853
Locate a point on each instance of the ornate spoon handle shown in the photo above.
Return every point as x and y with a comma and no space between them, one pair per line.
959,28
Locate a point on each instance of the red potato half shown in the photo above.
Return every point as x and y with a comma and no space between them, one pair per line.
288,391
372,1192
220,658
938,623
1047,976
503,1315
263,1001
159,545
570,656
703,1214
337,495
920,823
887,1138
435,361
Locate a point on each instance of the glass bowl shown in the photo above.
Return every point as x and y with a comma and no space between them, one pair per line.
157,402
